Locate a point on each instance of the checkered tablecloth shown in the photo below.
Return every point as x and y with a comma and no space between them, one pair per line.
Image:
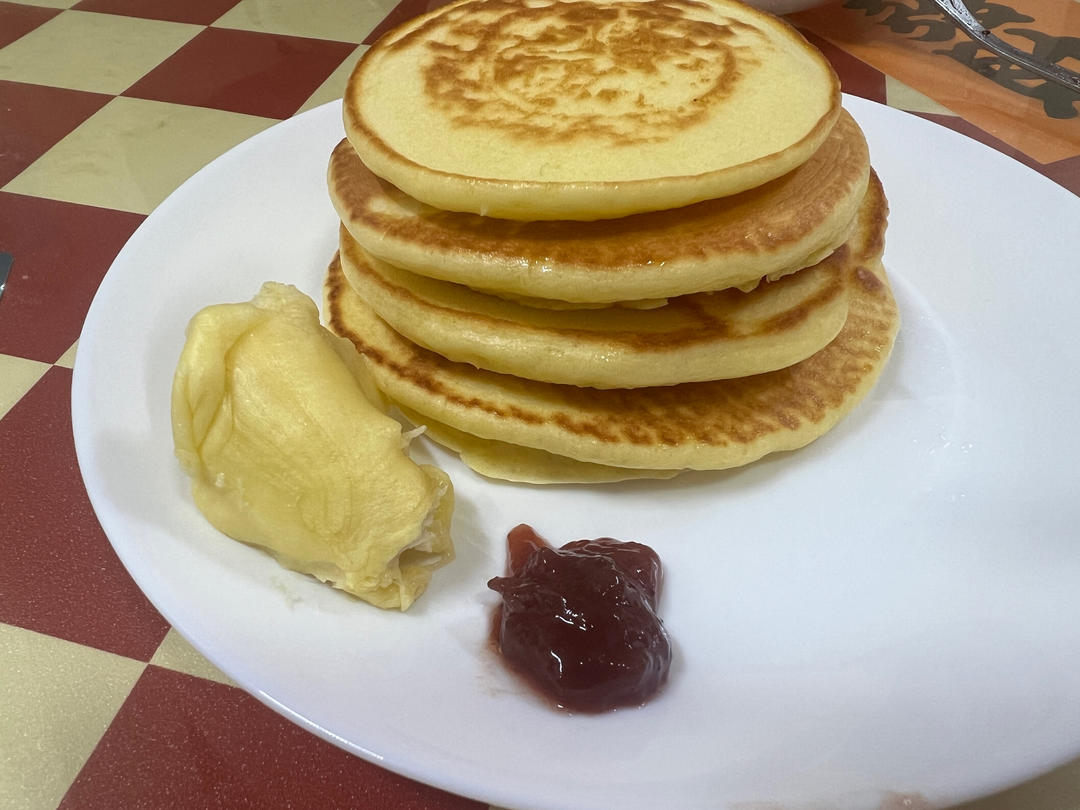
105,107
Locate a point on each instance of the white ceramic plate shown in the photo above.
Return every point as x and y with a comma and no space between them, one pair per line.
890,612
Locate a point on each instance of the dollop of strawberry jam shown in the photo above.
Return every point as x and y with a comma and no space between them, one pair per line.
579,622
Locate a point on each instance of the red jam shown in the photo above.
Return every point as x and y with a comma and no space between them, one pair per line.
580,623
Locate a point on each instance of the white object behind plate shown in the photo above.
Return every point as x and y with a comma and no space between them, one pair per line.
891,611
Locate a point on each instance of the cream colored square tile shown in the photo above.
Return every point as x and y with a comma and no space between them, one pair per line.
132,153
17,376
175,653
903,97
101,53
57,698
55,3
67,359
334,86
320,19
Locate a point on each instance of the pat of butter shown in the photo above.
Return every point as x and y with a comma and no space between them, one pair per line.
288,447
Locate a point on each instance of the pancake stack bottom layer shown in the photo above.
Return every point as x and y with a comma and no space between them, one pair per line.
585,334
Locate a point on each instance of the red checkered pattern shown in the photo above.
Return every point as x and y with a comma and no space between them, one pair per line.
105,107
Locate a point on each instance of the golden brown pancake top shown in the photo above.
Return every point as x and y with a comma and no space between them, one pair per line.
536,110
545,73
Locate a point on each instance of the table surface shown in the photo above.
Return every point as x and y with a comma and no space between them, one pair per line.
106,106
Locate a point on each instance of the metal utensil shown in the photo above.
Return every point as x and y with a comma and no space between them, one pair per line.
6,260
959,13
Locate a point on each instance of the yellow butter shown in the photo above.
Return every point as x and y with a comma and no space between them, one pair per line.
284,436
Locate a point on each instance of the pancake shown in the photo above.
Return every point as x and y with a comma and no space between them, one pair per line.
705,425
782,226
587,109
525,465
705,336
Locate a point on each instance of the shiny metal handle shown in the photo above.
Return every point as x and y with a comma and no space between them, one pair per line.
959,13
6,260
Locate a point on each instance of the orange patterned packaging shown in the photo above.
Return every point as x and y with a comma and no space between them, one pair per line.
913,41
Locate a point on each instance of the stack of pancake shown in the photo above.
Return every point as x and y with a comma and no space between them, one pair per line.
591,240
